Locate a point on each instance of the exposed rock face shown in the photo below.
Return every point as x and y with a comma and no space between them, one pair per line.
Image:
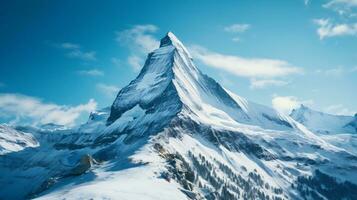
84,165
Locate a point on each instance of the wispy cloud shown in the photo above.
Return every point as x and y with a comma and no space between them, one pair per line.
139,37
108,90
140,41
341,6
237,28
135,62
32,110
336,71
328,29
347,3
261,72
339,109
116,61
75,51
236,39
262,83
285,104
91,72
87,56
246,67
68,45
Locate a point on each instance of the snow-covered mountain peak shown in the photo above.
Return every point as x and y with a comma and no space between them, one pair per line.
169,77
170,39
299,112
321,122
153,81
303,107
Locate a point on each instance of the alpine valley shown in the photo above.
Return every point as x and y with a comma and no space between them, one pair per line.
175,133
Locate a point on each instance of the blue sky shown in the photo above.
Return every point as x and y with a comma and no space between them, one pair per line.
62,59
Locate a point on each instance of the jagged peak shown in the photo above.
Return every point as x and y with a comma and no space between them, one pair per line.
171,39
170,71
303,107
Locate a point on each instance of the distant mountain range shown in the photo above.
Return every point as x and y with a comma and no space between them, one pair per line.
320,122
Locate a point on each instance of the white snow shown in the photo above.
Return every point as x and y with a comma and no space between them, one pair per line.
148,80
140,182
12,140
322,122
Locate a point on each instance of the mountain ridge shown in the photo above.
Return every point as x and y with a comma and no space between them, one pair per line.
324,123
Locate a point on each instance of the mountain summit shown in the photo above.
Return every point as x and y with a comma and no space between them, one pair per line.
175,133
171,40
170,83
323,122
170,80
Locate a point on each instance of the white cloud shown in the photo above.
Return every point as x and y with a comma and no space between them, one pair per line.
31,110
328,29
87,56
91,72
68,45
339,109
139,37
334,72
75,51
262,83
348,3
246,67
135,62
341,6
108,90
236,39
140,41
116,61
237,28
285,104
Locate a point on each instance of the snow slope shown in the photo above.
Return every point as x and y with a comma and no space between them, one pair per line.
12,140
121,184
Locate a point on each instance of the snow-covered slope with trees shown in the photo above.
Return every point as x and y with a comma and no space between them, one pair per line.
175,133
